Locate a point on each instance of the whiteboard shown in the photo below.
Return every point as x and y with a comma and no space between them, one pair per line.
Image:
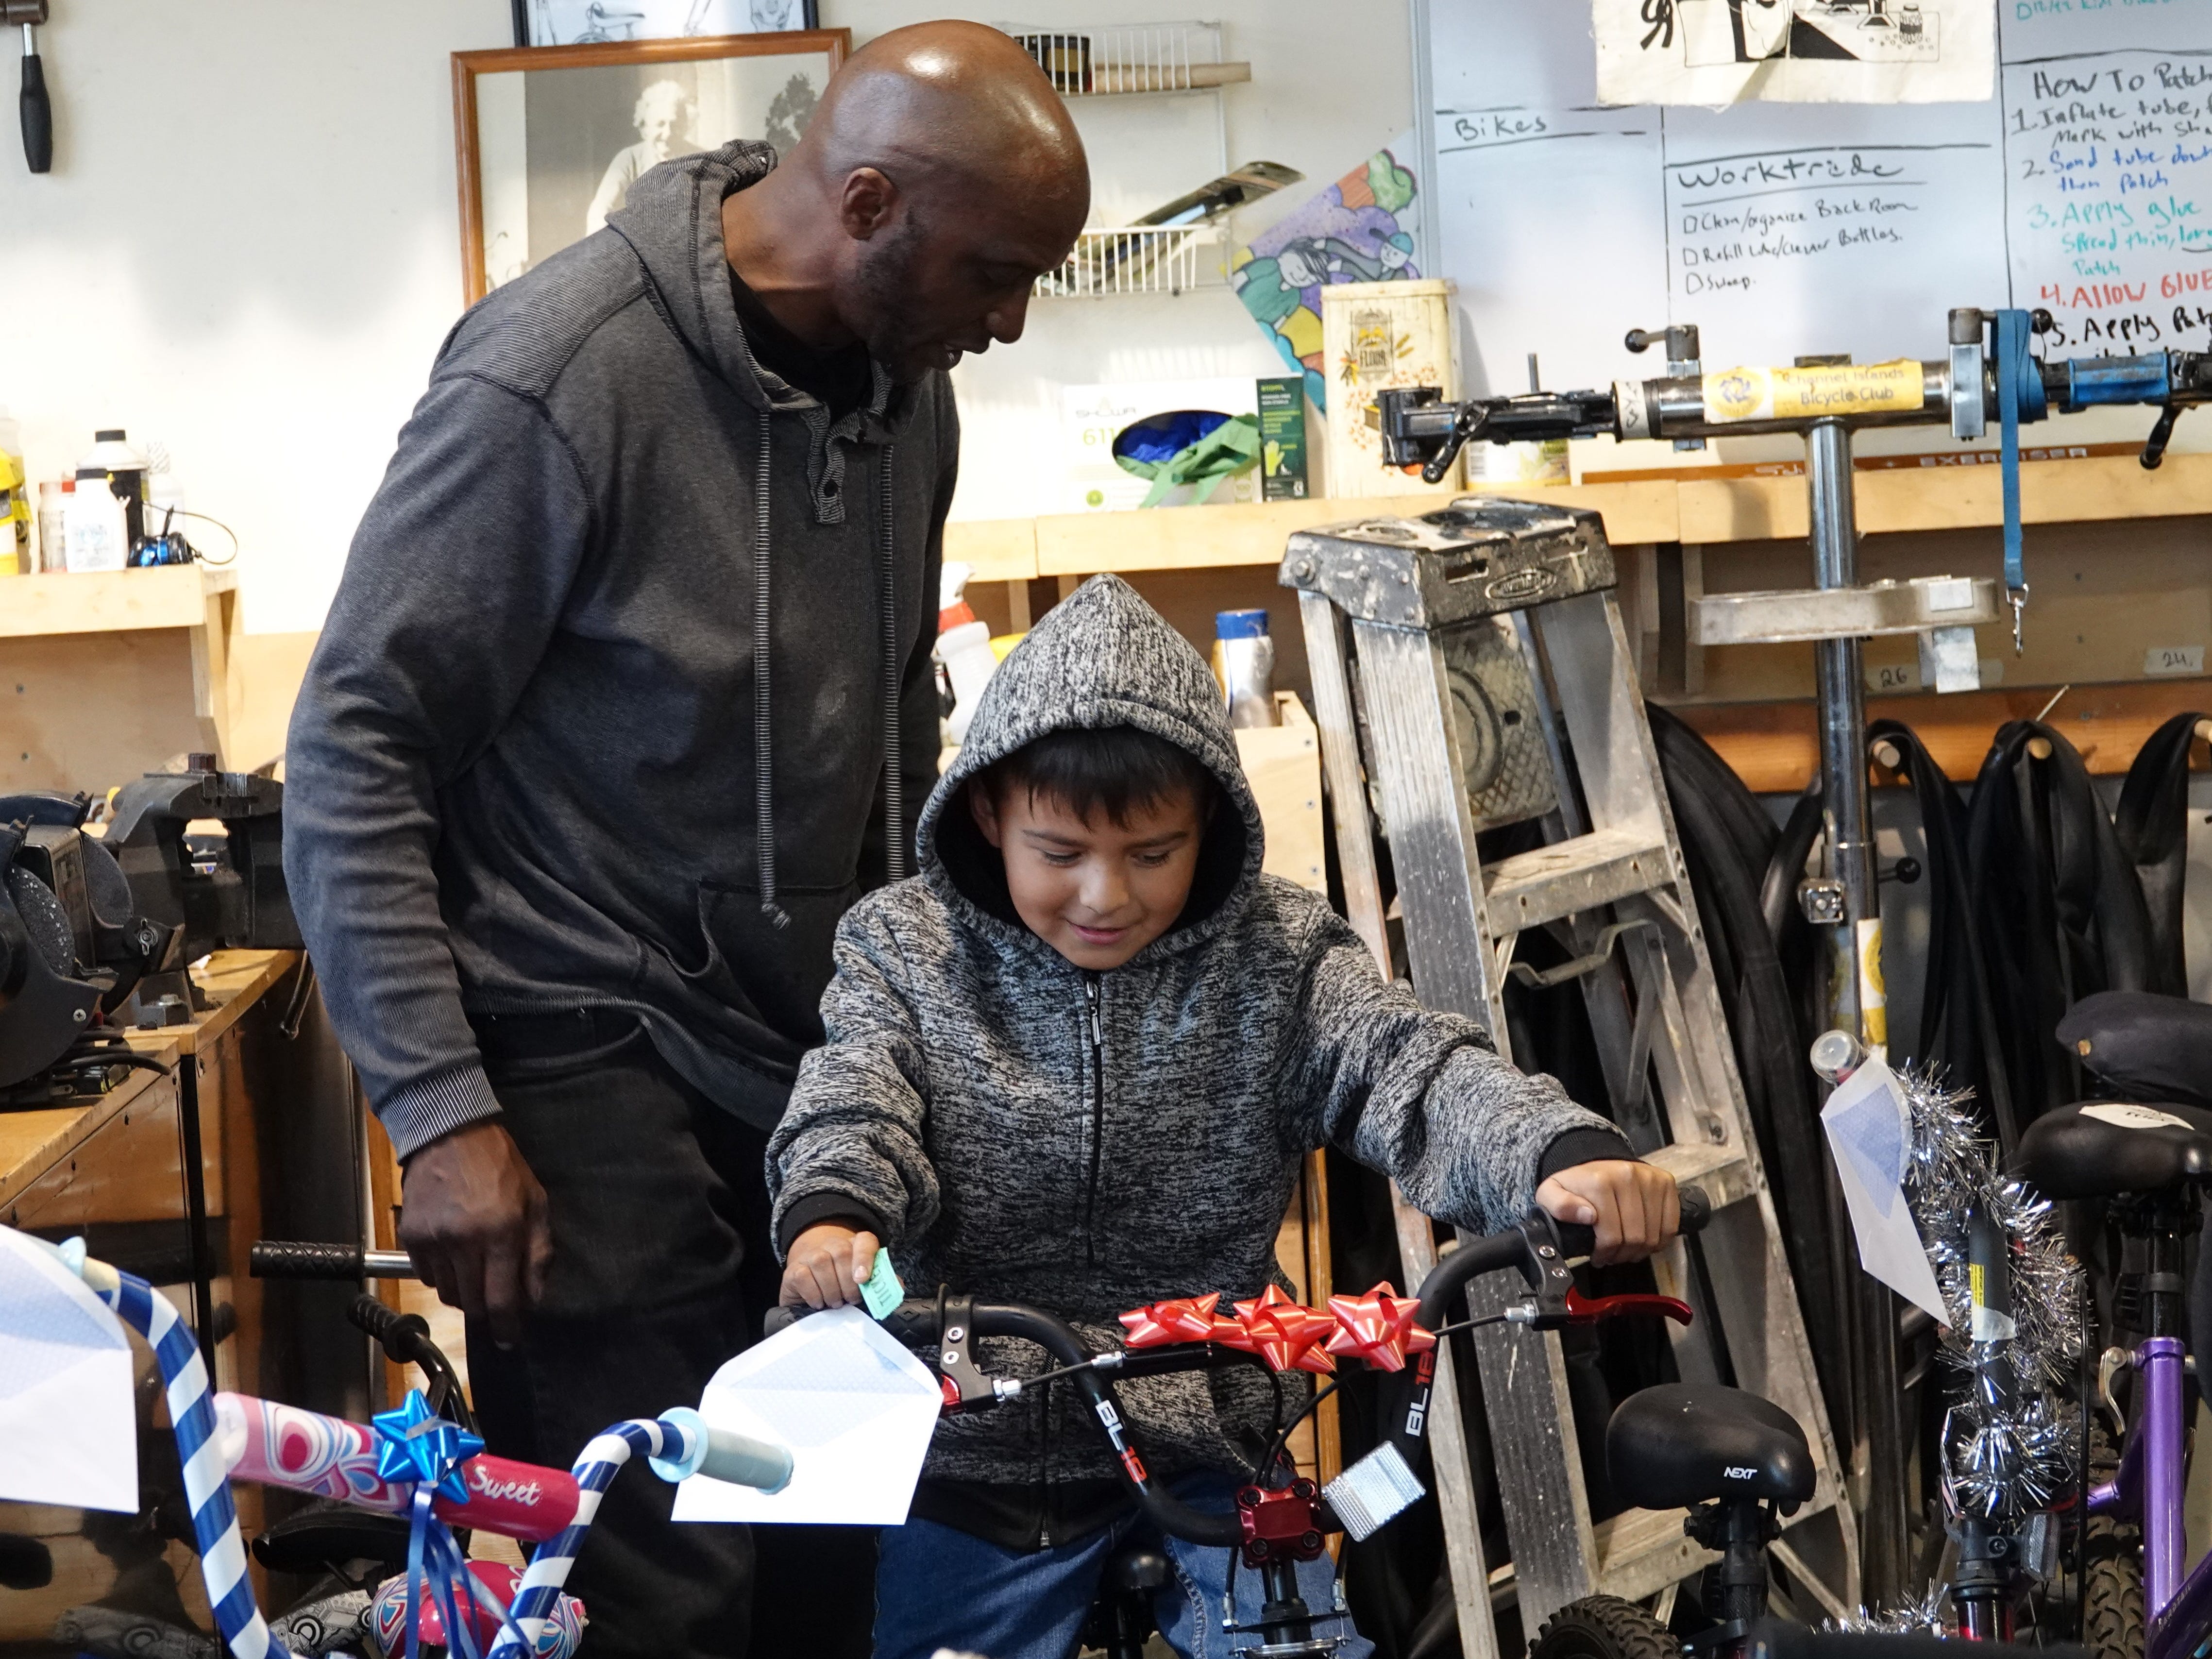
2084,185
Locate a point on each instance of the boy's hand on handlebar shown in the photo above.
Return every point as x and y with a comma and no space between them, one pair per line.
826,1265
1632,1207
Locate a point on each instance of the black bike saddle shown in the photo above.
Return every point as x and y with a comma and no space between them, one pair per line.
2101,1149
1689,1442
2147,1047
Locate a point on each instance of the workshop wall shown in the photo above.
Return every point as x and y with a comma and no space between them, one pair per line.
248,253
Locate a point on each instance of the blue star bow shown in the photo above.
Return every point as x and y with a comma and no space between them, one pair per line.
414,1444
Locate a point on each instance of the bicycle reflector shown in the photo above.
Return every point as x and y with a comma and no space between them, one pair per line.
1373,1492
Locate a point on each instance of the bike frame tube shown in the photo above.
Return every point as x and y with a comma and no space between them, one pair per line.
2161,1360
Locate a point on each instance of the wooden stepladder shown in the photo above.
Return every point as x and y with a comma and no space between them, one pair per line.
1470,671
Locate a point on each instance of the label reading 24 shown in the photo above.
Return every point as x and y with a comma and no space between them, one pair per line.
2174,660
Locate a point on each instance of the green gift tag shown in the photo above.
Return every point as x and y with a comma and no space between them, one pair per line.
881,1289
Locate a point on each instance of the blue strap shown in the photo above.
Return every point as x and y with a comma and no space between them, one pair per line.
2012,363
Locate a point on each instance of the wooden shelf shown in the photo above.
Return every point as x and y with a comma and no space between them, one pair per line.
1209,538
113,601
1663,509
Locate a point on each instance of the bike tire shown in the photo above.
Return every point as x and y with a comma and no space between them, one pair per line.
2113,1591
1606,1627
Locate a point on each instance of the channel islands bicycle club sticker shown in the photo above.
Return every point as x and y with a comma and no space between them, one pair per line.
1798,394
2135,1117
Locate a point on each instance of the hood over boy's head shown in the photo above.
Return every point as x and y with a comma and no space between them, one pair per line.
1097,809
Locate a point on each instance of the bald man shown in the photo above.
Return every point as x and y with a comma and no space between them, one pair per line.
625,697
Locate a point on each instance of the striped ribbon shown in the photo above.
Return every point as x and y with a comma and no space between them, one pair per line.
602,1460
207,1480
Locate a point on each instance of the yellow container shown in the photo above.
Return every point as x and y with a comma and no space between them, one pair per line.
1375,336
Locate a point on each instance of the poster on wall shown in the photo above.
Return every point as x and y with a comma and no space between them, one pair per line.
1362,228
591,23
1715,52
552,138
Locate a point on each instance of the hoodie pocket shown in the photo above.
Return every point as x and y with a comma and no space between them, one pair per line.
775,974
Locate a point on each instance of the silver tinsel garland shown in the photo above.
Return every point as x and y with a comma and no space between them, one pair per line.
2010,1443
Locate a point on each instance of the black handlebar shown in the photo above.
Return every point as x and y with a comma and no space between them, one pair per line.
1539,1247
276,1258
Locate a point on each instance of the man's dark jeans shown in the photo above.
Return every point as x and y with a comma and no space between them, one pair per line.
661,1269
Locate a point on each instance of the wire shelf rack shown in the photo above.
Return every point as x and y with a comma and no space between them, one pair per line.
1138,259
1128,58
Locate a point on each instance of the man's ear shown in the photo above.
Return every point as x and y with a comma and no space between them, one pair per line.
985,811
867,205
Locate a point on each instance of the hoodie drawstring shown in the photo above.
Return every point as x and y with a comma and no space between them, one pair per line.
894,785
763,730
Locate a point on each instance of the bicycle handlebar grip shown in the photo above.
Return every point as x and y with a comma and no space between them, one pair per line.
1576,1240
779,1320
400,1335
744,1462
1697,1209
283,1259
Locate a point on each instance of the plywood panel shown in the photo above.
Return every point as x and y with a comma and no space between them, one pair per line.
90,711
1774,747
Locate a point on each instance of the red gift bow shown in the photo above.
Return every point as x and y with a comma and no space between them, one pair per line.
1378,1327
1287,1334
1179,1319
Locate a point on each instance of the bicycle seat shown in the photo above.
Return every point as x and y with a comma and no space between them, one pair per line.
1688,1442
2153,1047
308,1542
2101,1149
1136,1568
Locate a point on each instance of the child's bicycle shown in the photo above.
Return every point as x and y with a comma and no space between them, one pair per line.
2152,1163
1273,1526
414,1463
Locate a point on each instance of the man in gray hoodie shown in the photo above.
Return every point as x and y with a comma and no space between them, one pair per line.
624,698
1075,1064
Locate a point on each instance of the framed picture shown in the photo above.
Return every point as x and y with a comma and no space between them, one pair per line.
551,137
591,23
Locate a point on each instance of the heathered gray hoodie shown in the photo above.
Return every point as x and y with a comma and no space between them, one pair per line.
627,674
1024,1131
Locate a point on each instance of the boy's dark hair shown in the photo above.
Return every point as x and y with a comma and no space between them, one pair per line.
1119,769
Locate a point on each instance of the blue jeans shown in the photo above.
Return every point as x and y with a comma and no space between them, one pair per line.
936,1586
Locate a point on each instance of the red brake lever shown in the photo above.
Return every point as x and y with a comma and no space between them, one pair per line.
1588,1310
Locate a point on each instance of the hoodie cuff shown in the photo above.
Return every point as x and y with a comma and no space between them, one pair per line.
421,1112
816,1208
1583,1147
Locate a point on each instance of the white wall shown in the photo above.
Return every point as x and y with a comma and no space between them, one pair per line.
248,248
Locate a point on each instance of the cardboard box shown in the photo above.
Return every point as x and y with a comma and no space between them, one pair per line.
1094,415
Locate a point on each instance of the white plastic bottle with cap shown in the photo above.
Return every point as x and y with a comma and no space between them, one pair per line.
963,646
94,533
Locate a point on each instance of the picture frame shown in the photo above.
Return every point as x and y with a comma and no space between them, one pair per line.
547,138
588,22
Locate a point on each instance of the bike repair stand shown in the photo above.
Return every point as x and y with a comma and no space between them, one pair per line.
1470,665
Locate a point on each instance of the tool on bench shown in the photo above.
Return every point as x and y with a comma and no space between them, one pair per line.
96,932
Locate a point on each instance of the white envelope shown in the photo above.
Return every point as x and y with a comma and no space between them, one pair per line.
856,1409
1868,1135
68,1431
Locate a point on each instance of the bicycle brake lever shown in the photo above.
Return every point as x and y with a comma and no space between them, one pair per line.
1589,1309
961,1381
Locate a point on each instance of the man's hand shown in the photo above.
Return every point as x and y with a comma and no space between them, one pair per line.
474,1223
826,1265
1633,1206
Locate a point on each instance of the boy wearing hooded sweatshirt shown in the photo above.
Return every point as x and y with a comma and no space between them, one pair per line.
1075,1063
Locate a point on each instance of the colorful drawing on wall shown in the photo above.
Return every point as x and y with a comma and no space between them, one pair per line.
1360,229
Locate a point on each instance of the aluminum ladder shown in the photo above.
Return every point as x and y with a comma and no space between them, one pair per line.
1470,671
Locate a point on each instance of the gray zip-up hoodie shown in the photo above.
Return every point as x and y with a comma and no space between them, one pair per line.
628,675
1023,1130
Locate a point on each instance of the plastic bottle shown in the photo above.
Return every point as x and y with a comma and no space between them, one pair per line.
113,458
1244,664
94,533
15,502
53,519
